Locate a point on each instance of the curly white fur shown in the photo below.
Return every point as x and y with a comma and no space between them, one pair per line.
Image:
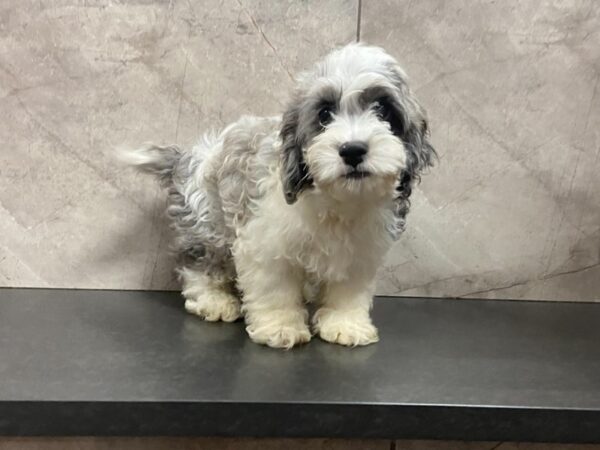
240,236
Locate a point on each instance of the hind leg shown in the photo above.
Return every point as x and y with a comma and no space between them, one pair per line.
209,296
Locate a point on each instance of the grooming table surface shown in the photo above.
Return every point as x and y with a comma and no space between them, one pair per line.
84,362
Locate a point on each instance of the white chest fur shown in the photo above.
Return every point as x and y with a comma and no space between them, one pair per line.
326,245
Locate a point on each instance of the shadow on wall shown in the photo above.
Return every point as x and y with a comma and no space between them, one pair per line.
127,249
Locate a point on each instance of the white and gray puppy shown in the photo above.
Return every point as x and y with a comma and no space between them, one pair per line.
271,206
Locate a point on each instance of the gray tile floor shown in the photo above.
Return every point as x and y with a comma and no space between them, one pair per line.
512,210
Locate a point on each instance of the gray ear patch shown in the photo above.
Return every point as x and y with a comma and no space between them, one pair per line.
294,173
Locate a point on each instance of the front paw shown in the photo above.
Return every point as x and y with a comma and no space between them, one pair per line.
345,328
279,333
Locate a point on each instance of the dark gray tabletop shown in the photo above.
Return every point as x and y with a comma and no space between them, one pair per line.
134,363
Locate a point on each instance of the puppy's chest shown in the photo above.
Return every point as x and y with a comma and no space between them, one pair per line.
333,251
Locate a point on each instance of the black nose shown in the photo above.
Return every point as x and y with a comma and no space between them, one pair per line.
353,152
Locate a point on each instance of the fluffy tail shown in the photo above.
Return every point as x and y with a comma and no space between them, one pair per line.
160,161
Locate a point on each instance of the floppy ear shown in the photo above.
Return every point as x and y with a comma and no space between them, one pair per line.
420,154
294,173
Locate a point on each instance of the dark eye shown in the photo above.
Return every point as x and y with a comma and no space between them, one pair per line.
325,115
382,109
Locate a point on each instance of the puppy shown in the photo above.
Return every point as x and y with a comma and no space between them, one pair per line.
271,210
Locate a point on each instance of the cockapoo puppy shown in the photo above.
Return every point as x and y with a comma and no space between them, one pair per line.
273,212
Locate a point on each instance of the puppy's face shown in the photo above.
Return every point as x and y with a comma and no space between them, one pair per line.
354,128
353,136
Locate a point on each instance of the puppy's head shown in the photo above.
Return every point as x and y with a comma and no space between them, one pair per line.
354,128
